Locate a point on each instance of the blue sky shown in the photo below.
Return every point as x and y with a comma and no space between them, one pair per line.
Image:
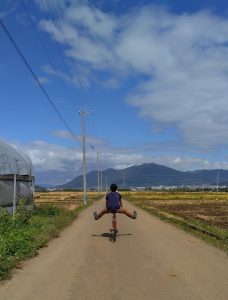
153,75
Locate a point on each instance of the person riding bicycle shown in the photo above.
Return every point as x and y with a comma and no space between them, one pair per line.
114,204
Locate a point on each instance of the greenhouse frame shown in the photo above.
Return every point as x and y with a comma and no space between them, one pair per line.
16,178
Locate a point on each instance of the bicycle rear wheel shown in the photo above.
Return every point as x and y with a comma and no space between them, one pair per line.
113,235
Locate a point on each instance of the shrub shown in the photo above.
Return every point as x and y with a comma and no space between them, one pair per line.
47,211
22,215
6,221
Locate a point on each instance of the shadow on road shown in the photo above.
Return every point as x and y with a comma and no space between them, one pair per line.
107,234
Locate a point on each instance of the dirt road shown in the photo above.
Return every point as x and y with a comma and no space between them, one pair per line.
150,260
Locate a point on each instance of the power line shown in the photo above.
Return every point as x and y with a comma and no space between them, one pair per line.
64,36
38,81
62,31
57,46
42,42
67,42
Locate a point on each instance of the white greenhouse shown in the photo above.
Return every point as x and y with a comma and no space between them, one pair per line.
16,177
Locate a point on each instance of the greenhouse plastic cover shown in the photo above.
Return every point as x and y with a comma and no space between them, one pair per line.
13,162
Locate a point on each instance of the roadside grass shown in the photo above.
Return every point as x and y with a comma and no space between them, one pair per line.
211,233
21,237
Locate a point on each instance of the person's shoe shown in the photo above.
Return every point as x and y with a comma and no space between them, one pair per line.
95,215
134,215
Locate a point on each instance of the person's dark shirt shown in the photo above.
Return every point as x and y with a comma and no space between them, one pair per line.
119,195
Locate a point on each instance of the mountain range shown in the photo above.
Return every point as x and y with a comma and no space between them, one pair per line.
150,174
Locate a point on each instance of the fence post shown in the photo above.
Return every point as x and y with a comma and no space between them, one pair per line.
14,193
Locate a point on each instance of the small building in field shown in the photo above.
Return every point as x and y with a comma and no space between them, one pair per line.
16,177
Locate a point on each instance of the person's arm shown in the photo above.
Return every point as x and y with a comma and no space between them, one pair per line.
120,200
106,202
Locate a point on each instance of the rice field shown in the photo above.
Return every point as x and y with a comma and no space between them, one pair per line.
210,208
204,214
69,200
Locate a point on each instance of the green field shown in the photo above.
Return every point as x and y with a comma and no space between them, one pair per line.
22,236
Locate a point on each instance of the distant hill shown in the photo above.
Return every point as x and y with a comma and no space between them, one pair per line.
150,174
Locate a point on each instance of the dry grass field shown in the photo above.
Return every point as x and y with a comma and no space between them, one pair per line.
205,214
211,208
69,200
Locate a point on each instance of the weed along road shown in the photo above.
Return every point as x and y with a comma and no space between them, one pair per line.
150,260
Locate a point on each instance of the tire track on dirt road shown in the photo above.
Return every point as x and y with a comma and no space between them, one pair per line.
150,260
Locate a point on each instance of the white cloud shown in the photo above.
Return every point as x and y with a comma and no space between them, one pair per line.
48,157
182,58
43,80
186,61
54,164
90,140
9,8
64,134
49,70
97,23
184,163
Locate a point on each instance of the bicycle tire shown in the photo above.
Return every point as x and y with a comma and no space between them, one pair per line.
113,236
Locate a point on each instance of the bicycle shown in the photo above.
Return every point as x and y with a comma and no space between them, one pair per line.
114,229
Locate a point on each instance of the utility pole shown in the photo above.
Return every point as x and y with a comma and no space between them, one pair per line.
106,185
217,180
83,114
98,175
101,181
124,180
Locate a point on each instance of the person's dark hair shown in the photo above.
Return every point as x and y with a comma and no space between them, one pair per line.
113,187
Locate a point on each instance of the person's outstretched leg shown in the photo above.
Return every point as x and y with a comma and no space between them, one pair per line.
127,213
98,216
